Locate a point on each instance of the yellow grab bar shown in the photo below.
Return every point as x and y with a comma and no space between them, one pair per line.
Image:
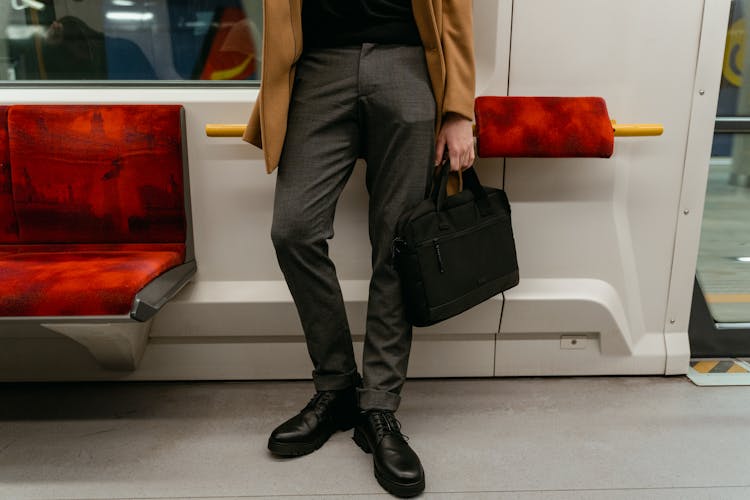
621,130
224,130
637,129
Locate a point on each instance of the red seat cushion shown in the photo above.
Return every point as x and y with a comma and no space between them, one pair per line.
8,223
556,127
97,174
80,280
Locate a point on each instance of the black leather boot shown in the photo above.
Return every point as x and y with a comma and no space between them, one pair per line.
326,413
397,467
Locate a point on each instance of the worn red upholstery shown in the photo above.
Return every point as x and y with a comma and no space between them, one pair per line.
92,247
97,174
8,223
543,127
80,281
98,197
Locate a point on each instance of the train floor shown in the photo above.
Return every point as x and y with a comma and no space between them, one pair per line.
525,438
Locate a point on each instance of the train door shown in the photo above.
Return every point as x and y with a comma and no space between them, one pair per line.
720,319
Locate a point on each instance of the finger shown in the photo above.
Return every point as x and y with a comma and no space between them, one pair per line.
462,157
455,161
465,163
469,159
470,156
439,150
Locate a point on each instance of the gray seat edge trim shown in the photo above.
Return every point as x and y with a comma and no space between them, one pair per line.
156,294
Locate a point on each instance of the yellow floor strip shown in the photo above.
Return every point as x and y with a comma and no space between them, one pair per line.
705,366
727,298
719,372
737,369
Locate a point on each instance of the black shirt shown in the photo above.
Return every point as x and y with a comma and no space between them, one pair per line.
336,23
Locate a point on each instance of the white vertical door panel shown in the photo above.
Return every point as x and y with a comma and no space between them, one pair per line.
693,193
610,222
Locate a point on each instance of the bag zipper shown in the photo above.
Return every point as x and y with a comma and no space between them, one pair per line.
436,245
399,243
460,233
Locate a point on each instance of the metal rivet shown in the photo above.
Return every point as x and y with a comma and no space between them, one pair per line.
673,321
686,212
702,92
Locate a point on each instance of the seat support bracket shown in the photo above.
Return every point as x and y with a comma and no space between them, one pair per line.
115,346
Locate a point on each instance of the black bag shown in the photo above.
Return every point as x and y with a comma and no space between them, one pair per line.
454,252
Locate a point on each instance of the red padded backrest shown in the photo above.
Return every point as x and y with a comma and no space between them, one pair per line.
8,223
555,127
97,174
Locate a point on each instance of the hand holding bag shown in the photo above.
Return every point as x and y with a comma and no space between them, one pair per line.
455,252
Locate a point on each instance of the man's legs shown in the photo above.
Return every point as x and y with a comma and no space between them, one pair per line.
384,91
398,112
321,148
398,109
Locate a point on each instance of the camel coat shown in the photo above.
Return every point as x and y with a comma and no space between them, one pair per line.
445,27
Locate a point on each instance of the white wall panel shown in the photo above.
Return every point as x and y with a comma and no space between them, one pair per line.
610,220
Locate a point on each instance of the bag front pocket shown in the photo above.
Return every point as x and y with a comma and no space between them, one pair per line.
457,264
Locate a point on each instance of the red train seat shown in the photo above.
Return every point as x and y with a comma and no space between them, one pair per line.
543,127
96,221
81,280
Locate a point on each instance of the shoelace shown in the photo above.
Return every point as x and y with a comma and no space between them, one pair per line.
319,403
385,423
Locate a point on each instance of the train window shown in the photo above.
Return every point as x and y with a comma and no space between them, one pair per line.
126,40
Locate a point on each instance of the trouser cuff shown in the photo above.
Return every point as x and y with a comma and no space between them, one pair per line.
372,399
336,381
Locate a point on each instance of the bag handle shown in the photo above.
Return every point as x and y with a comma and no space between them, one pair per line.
470,181
440,187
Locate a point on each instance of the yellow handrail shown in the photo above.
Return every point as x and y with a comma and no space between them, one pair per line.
224,130
621,129
637,129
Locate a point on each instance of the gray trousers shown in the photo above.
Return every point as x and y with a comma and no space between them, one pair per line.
373,102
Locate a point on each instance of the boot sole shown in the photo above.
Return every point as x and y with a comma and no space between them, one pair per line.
290,450
401,490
